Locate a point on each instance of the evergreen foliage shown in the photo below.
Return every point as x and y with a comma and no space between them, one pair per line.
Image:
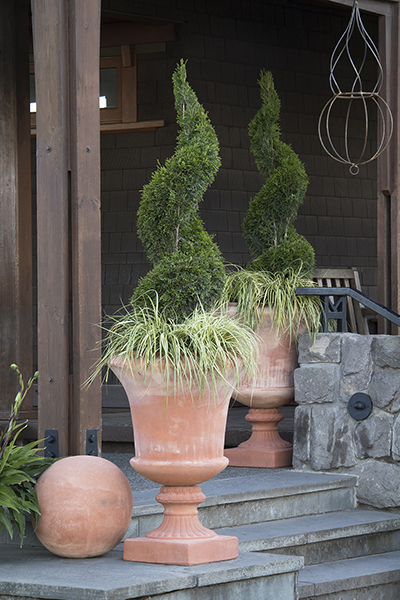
268,226
284,259
294,252
20,467
188,266
175,318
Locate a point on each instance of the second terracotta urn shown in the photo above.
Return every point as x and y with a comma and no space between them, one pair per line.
179,442
272,388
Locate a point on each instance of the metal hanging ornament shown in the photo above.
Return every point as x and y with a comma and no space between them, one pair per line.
357,99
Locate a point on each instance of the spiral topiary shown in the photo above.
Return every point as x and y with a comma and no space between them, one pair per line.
268,226
188,268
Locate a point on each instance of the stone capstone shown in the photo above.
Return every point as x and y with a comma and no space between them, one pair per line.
316,383
331,444
324,349
372,437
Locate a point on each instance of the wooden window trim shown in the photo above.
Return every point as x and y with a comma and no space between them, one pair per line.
124,117
114,114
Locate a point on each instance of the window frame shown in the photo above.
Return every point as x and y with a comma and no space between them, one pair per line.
112,114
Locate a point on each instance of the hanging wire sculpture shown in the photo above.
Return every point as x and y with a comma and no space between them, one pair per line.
356,97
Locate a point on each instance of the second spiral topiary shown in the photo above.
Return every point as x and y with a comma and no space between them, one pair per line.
268,226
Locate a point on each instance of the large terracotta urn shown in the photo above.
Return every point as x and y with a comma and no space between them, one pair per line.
179,435
272,388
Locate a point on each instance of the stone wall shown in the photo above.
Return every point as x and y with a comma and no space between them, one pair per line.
326,437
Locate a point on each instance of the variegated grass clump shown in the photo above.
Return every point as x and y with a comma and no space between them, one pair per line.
255,290
199,350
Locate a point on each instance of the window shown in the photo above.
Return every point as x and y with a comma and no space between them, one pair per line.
118,95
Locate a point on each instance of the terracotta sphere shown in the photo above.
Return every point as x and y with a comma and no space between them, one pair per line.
85,505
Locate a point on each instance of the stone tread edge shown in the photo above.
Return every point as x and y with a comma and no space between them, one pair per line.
327,529
349,574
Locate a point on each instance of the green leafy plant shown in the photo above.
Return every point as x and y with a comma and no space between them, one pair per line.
284,259
20,467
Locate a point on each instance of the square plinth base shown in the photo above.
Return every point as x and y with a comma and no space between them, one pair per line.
253,457
181,552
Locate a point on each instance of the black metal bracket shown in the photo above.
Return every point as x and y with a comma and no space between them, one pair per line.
51,443
91,442
359,406
335,308
343,292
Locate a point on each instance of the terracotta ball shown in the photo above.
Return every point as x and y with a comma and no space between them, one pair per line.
85,505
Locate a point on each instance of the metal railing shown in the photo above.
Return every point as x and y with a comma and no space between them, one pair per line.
335,305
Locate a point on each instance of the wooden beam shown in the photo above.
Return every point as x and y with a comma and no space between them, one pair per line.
50,25
377,7
84,45
15,202
125,127
117,34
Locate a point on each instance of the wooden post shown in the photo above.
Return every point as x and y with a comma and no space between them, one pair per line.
66,44
84,47
389,173
15,202
50,26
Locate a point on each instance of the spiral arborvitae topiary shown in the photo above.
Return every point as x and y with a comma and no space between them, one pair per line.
188,267
268,226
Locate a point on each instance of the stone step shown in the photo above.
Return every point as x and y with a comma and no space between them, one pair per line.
321,538
265,495
375,577
237,497
33,573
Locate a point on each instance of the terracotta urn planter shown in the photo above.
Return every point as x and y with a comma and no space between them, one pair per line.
271,388
179,443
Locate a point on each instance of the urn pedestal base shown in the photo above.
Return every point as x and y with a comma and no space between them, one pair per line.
265,448
181,539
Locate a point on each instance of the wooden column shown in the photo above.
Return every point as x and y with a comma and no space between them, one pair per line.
85,216
15,202
389,173
50,26
66,43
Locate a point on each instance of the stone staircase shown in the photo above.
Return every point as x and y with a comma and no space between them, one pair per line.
349,553
282,518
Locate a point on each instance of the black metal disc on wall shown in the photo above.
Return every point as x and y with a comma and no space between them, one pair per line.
359,406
